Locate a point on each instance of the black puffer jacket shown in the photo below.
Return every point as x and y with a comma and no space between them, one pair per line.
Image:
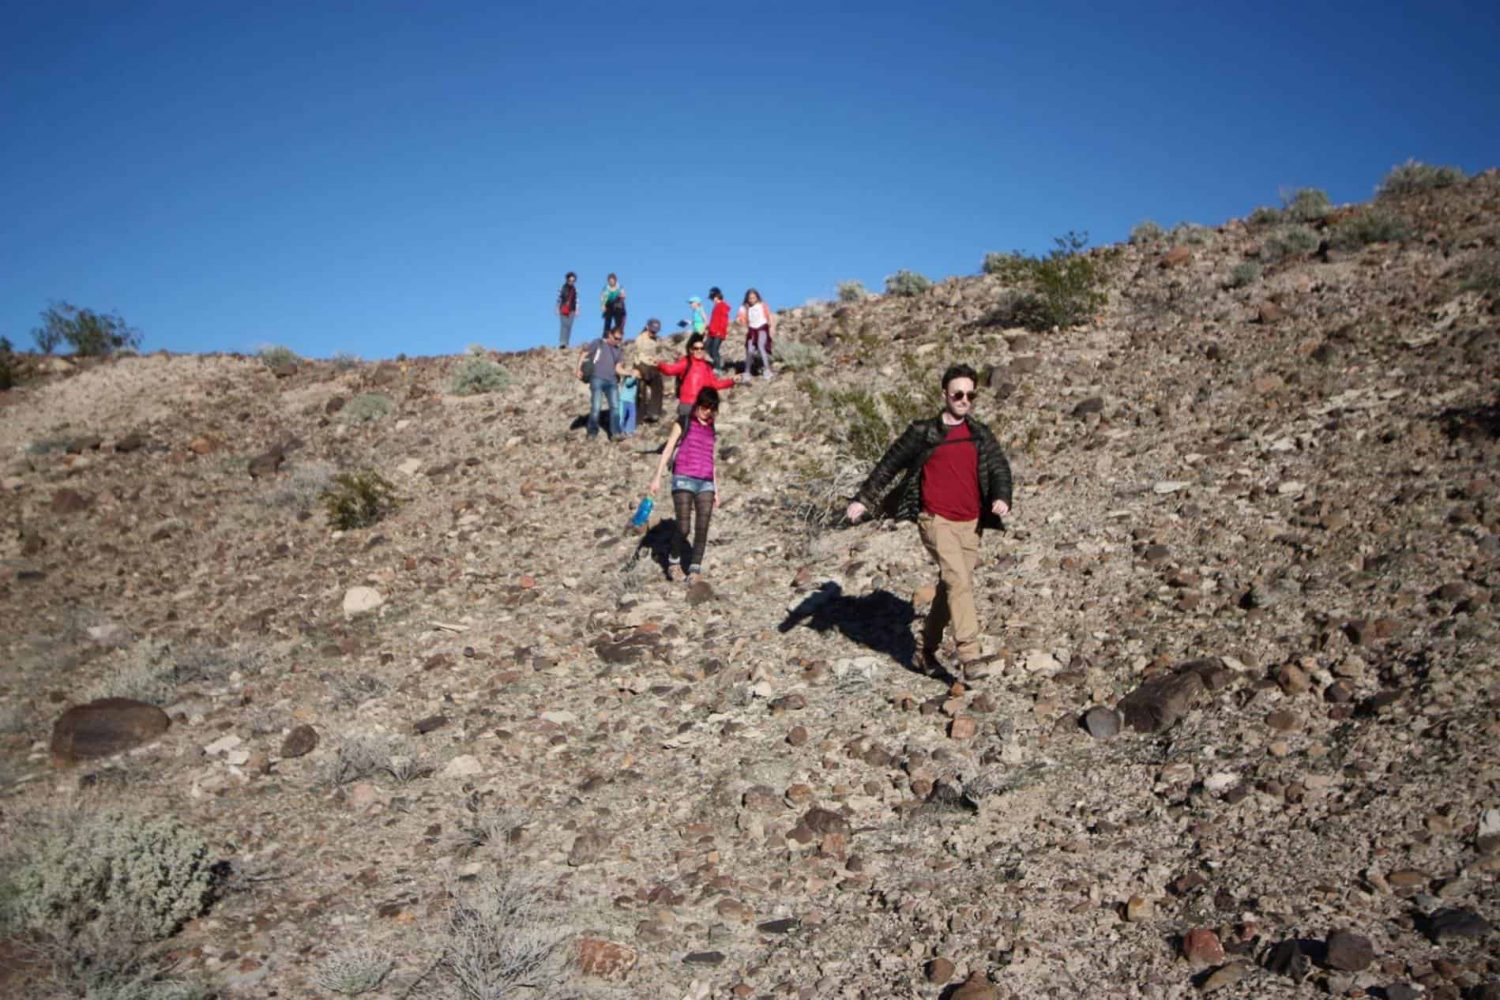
910,453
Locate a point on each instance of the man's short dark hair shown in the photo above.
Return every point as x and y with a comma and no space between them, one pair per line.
570,274
959,371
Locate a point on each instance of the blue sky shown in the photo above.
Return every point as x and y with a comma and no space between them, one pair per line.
384,177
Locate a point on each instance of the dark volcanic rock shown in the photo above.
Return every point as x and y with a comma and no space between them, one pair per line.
1162,700
67,501
1101,722
1348,952
1456,922
105,727
300,742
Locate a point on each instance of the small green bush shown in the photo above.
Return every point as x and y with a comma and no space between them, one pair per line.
1147,231
1412,176
1370,225
367,407
345,361
1190,234
1061,289
113,874
906,283
1265,215
358,499
1306,205
276,356
1013,267
796,356
852,291
1289,241
861,423
476,375
1244,273
86,332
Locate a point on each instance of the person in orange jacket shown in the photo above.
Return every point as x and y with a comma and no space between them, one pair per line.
696,374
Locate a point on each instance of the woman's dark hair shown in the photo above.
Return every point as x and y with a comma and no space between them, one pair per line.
959,371
654,325
749,292
694,341
714,293
708,397
571,274
612,277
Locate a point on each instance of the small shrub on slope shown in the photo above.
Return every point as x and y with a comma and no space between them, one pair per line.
9,367
1412,176
1147,231
796,356
352,973
1306,205
367,407
476,375
358,499
1370,225
907,283
852,291
1244,273
276,356
1289,241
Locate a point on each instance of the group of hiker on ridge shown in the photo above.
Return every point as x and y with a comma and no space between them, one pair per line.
955,479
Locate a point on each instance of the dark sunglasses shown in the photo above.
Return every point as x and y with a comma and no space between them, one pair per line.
956,396
698,350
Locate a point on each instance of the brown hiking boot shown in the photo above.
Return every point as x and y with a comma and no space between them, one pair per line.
979,666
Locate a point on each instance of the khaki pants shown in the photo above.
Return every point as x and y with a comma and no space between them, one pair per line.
955,547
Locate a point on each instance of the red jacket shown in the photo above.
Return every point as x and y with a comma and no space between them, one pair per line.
697,375
718,323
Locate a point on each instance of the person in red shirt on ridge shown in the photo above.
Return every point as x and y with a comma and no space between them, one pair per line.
718,327
696,373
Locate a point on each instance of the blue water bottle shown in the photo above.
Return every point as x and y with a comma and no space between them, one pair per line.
642,512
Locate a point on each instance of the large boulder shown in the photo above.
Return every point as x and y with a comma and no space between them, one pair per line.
104,727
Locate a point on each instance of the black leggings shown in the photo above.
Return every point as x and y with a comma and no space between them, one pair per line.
685,502
613,320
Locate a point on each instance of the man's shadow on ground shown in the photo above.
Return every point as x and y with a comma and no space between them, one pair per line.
880,621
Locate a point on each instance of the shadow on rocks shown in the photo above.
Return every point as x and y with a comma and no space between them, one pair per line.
656,544
880,621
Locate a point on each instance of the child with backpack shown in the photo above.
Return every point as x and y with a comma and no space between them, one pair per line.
691,449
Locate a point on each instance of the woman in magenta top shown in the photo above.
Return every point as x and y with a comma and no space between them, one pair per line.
690,449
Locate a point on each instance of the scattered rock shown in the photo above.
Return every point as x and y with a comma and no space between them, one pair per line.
105,727
1102,723
361,600
588,848
1348,952
940,970
66,501
300,742
463,766
976,987
1201,947
602,959
1455,922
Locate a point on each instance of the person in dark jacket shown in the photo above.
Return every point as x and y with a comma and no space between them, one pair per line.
957,482
567,308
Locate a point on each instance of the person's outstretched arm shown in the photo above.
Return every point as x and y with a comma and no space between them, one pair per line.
897,457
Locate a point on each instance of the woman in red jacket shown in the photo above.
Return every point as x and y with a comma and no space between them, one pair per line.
696,374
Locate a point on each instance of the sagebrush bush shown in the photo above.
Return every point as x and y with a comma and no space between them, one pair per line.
1264,215
275,356
1306,205
88,333
367,408
1147,231
1289,241
1012,267
358,499
906,283
504,939
861,423
1190,234
354,972
1413,176
372,755
476,375
345,360
302,487
1244,273
1369,225
114,874
796,356
148,673
852,291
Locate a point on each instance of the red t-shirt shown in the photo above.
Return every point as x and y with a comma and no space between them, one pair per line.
950,479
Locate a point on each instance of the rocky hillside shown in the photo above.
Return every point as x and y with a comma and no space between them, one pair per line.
1244,739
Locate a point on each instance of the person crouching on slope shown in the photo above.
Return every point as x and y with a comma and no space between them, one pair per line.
957,482
696,374
695,491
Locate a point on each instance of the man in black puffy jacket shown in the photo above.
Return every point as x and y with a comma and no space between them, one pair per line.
957,482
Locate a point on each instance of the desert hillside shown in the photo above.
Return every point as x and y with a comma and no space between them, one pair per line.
1244,741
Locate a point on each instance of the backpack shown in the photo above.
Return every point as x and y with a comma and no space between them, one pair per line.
586,369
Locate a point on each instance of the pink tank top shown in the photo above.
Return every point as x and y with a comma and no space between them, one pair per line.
695,453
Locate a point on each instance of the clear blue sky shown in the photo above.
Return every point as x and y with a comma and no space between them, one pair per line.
380,177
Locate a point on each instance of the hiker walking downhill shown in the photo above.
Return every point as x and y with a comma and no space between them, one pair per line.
957,482
696,374
645,353
718,328
599,364
695,489
567,309
612,305
760,324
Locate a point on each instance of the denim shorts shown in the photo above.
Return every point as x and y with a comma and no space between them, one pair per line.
692,484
